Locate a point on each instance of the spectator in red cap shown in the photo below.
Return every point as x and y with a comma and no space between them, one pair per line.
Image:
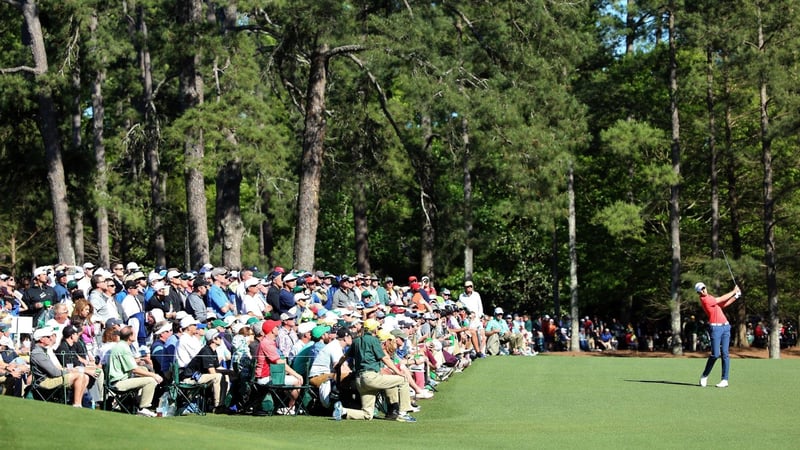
268,354
419,298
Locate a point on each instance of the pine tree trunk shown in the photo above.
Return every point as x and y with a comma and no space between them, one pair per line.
80,253
311,165
674,208
575,343
101,170
48,126
769,208
361,226
630,25
712,149
152,137
229,225
266,235
427,202
468,224
194,149
740,306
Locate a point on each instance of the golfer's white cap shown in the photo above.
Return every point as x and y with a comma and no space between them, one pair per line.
699,286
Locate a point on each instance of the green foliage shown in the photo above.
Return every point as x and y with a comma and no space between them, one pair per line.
536,87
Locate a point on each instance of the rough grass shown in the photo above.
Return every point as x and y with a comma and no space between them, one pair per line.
502,402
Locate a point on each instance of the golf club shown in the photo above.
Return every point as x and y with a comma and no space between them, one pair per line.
729,267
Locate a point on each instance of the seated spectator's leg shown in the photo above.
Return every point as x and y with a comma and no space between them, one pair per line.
476,341
216,383
96,391
324,390
146,384
493,344
78,381
295,393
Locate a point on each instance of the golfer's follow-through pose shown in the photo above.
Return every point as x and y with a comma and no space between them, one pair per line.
719,328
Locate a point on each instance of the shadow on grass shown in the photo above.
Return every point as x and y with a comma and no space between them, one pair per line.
676,383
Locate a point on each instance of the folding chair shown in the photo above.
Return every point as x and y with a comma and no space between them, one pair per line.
57,395
115,399
309,395
279,390
34,391
256,394
186,394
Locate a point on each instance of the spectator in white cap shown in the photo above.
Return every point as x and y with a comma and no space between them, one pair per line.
253,302
132,267
471,299
152,278
162,352
176,296
287,292
85,278
287,335
303,339
301,300
189,344
498,334
203,368
47,371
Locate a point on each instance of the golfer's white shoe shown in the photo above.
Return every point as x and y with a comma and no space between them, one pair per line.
723,383
703,381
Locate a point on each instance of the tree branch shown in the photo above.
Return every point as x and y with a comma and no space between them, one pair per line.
381,95
345,49
32,70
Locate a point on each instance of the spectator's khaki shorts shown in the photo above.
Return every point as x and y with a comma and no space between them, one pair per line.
52,383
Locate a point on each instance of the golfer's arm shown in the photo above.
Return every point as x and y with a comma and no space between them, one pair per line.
727,299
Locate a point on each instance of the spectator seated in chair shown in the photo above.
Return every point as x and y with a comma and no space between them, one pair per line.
267,355
125,374
321,374
48,373
202,368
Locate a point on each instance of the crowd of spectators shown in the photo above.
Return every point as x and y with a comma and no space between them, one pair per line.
228,329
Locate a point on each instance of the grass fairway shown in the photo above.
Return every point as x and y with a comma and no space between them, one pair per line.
506,402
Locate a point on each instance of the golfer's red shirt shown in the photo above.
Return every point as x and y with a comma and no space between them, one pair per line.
712,309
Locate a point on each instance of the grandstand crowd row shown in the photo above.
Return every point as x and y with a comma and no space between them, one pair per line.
166,342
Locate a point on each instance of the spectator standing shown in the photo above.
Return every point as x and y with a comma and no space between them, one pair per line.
471,298
39,297
218,301
60,288
345,296
104,306
195,302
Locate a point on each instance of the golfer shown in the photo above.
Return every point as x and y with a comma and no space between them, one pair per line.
720,330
